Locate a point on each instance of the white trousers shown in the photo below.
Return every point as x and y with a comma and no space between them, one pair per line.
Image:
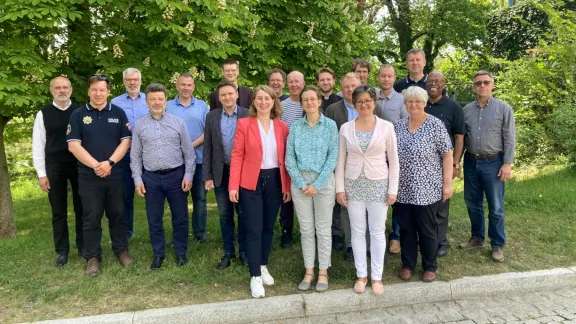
377,225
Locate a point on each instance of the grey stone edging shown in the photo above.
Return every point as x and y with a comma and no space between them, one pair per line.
339,301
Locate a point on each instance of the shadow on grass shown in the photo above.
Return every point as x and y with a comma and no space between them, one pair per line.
540,209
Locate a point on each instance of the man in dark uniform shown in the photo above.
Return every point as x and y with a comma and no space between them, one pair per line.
99,136
55,165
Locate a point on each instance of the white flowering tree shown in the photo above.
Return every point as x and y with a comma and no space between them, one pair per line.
77,38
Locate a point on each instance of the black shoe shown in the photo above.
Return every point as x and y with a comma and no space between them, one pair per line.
61,259
349,254
286,240
337,243
202,239
225,262
156,263
181,260
443,250
244,258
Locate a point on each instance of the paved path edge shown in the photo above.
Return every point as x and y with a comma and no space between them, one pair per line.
340,301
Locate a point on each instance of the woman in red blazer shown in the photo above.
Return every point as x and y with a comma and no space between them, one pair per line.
259,180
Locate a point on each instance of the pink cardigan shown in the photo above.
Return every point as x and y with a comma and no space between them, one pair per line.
351,159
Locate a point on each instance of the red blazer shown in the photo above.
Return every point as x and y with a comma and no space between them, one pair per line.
247,154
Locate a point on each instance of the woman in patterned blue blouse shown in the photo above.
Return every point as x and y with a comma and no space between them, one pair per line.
311,153
425,153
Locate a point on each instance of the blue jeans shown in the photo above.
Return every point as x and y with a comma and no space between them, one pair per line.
160,187
226,210
481,178
198,194
128,196
395,233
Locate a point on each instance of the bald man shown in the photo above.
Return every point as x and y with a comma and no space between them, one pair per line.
56,166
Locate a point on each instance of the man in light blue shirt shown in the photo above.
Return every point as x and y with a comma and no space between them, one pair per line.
194,112
133,102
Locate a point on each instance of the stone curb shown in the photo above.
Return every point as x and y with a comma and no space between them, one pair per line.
340,301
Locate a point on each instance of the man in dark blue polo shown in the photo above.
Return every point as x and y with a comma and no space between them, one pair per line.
415,63
99,136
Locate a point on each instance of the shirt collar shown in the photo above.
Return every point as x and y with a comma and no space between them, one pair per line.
389,96
140,95
163,114
108,106
410,81
321,120
234,113
439,102
348,106
62,108
177,99
487,103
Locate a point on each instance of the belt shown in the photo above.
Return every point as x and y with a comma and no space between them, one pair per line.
483,156
165,171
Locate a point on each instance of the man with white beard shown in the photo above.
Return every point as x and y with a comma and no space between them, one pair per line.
133,102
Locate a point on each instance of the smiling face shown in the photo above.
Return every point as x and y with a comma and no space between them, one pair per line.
364,104
362,73
61,89
227,96
230,72
132,82
98,93
295,83
386,78
348,86
435,84
326,82
185,87
414,106
276,82
415,63
156,102
263,102
310,101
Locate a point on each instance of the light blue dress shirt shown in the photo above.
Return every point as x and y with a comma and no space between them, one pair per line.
134,108
312,149
352,113
195,117
228,128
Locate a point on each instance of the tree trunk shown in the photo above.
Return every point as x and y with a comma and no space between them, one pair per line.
7,224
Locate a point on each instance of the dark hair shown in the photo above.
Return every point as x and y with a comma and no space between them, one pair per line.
225,84
360,62
97,78
363,89
483,72
276,70
229,62
276,111
312,88
155,87
325,70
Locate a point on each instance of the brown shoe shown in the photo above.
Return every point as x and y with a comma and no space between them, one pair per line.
428,276
405,274
394,247
472,244
498,254
92,267
124,258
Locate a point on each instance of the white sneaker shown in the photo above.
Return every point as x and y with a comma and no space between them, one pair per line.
256,287
266,277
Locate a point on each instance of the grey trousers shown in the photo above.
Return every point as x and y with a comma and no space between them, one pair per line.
315,219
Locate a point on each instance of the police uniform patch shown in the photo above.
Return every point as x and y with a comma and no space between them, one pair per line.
68,129
128,126
87,120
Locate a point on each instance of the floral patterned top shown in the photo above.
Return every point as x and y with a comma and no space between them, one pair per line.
364,189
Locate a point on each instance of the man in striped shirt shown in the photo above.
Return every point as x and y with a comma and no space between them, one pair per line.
292,111
162,160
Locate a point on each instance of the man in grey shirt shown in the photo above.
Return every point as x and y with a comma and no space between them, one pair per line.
163,163
490,141
391,102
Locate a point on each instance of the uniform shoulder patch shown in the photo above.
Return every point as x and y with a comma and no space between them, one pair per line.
68,129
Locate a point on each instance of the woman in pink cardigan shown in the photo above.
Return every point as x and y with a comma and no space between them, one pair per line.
365,182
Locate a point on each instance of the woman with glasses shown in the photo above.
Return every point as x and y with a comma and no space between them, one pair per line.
365,182
311,154
258,179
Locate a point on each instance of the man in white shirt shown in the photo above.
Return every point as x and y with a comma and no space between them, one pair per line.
55,165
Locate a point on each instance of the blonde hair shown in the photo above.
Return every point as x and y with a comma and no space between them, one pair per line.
276,111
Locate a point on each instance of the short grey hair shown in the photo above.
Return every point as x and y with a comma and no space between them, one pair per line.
60,77
415,51
130,71
155,87
387,66
349,75
415,92
483,72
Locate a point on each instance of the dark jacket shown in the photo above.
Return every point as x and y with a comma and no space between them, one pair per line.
213,155
338,113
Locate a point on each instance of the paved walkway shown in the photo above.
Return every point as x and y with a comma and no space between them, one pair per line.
542,307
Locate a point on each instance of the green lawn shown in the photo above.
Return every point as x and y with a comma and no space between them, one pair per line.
541,228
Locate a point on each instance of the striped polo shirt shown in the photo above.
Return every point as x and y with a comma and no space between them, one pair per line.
292,111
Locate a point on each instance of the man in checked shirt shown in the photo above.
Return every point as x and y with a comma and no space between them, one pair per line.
162,163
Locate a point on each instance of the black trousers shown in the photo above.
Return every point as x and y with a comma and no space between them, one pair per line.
287,216
59,173
99,196
418,225
442,220
260,208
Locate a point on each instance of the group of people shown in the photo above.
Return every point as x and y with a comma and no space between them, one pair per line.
338,160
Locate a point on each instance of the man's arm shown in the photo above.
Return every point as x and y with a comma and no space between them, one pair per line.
75,147
207,153
136,162
199,141
38,145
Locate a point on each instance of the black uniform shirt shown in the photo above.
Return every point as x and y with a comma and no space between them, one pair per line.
450,113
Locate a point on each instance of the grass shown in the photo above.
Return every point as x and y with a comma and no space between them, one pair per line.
540,215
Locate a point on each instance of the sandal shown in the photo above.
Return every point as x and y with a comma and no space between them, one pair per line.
321,286
360,285
305,285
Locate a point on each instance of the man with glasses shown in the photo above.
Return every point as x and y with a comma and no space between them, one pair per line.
276,81
489,141
230,72
450,113
134,104
56,166
99,136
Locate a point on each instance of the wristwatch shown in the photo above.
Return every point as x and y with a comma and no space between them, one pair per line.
111,162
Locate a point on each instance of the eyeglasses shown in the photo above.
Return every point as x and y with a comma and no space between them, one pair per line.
365,102
132,80
313,99
480,83
100,77
435,81
230,71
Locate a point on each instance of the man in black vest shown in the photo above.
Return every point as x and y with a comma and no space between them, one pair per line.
55,165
